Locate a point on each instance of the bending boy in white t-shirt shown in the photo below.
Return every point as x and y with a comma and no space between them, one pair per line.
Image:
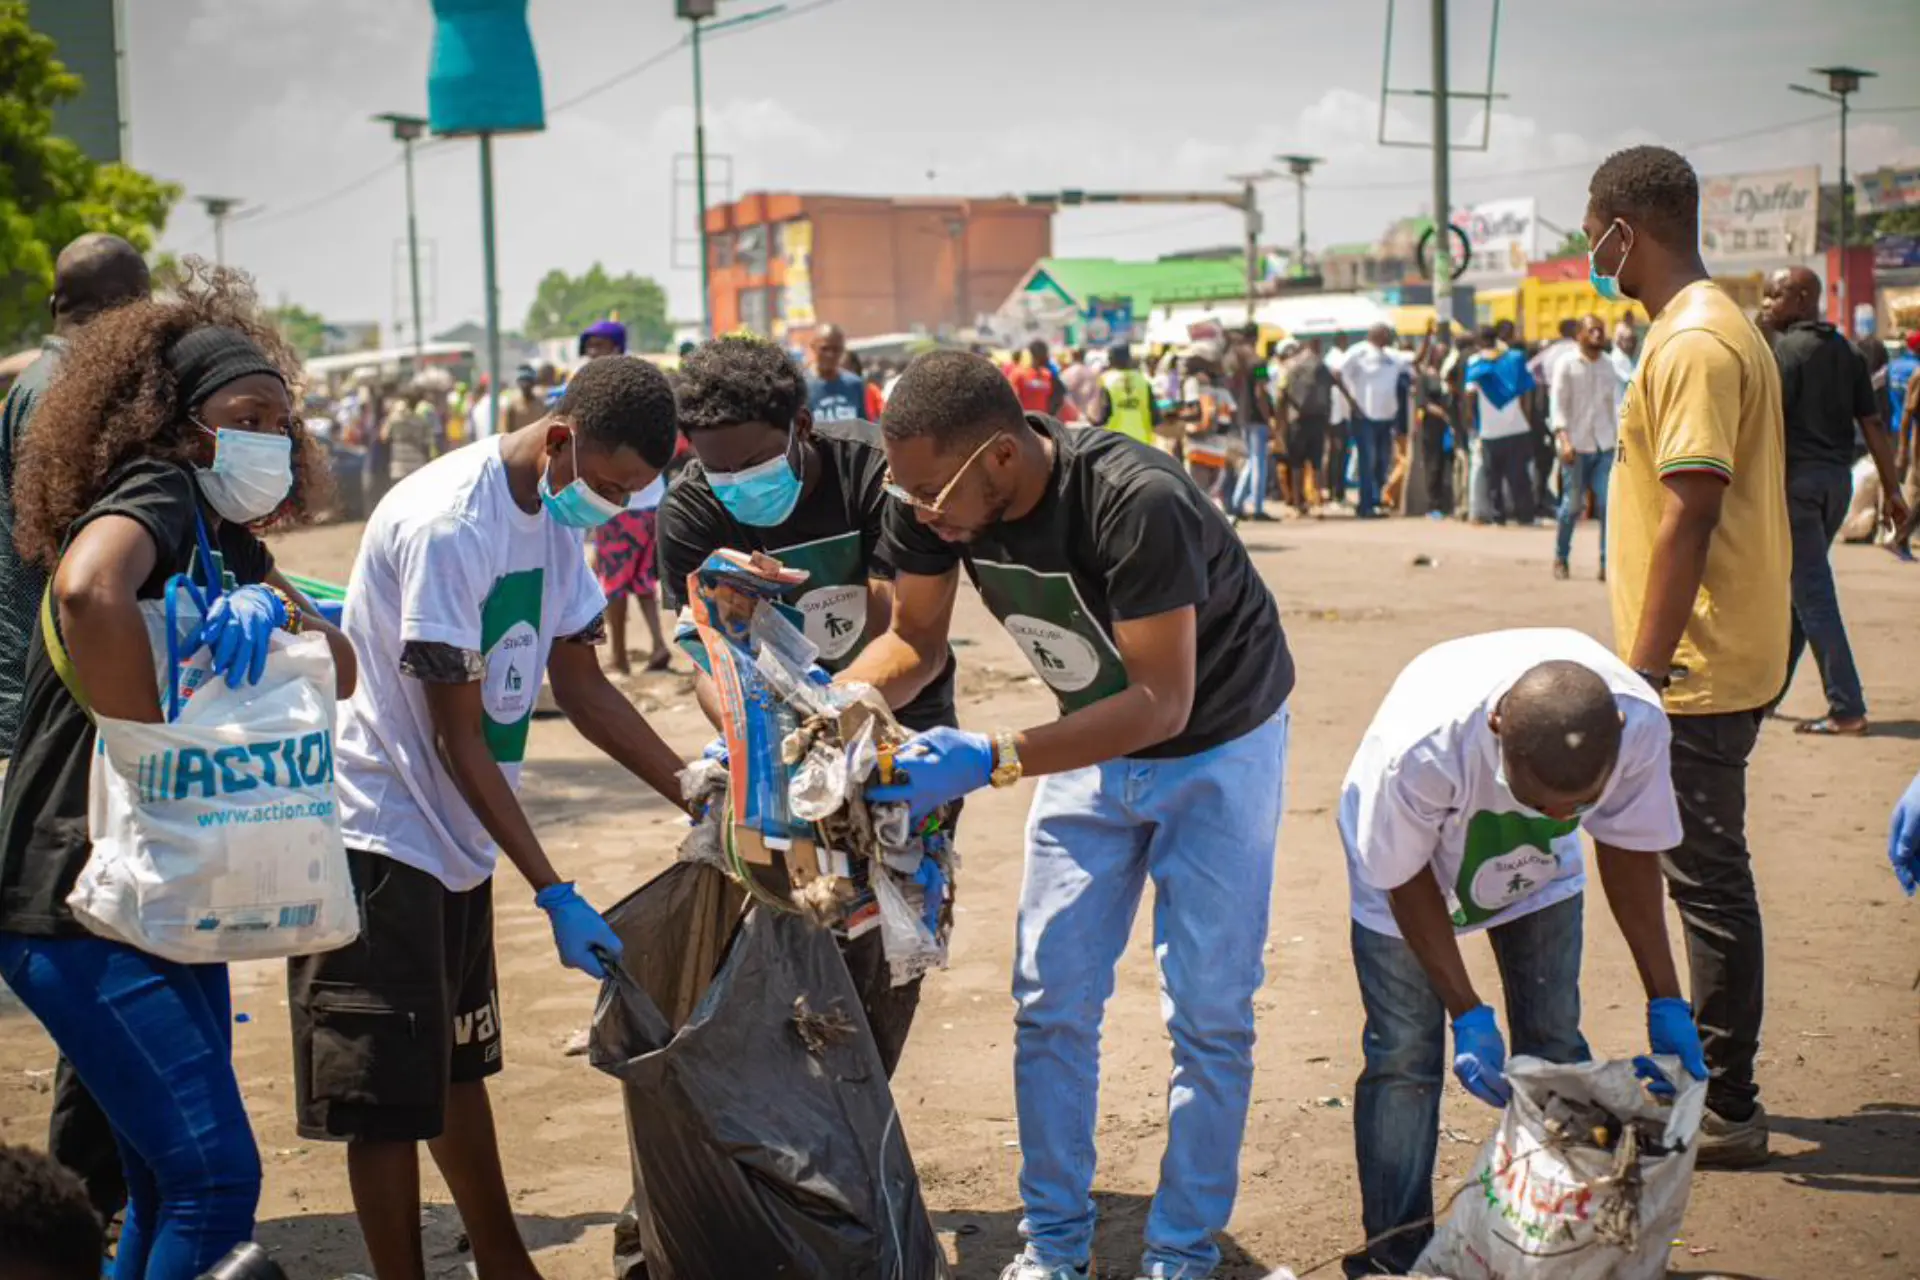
1462,811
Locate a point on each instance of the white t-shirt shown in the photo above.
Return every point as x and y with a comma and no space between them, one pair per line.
450,558
1373,375
1427,788
1498,422
1335,360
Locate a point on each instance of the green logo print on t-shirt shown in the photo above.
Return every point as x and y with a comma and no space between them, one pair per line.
1045,615
833,600
1508,856
510,638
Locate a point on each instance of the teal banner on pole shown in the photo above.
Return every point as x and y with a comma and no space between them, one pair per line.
484,77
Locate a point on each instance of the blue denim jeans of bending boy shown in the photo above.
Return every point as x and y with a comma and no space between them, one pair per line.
1203,829
1396,1105
153,1042
1587,471
1250,491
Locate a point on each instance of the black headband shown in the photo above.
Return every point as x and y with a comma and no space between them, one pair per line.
208,358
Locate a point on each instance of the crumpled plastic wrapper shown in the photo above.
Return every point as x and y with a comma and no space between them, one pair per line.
810,748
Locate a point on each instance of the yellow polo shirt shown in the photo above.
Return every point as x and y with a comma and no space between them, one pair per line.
1706,397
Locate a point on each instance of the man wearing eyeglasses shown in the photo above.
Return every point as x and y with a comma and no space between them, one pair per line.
1138,606
1462,812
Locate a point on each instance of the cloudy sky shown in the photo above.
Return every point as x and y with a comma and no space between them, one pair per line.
269,100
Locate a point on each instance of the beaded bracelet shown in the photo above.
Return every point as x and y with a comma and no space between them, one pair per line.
296,621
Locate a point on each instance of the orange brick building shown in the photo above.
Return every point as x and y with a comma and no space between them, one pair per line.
782,264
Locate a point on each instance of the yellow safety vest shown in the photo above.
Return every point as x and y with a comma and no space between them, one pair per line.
1130,397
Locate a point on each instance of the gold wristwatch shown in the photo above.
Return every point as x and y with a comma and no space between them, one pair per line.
1006,760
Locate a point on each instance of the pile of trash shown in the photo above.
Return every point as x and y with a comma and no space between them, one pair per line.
1586,1178
765,1140
784,804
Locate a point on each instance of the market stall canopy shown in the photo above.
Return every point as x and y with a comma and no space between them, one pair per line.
1322,314
1306,316
1145,285
1177,326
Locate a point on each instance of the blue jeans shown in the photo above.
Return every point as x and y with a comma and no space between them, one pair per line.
1373,447
1203,829
1252,486
1587,471
1396,1105
153,1041
1817,501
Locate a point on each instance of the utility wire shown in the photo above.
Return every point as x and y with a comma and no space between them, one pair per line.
271,216
1570,167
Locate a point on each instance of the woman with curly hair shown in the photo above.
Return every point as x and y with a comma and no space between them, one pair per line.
166,443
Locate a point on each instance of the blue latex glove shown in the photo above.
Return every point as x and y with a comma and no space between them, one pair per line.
1480,1056
1670,1030
578,930
1903,842
238,629
936,767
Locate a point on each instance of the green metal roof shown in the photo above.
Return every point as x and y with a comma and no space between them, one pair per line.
1149,284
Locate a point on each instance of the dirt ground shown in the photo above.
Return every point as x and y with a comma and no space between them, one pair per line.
1839,1069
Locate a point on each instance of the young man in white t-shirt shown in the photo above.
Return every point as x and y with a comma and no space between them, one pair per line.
1462,811
471,585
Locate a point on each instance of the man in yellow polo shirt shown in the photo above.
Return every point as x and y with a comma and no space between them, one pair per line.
1699,561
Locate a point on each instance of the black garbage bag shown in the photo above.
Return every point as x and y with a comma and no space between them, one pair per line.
765,1140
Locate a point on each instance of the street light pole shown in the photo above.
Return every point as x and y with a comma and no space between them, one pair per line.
700,184
406,131
1300,167
1249,203
1442,177
220,208
1842,84
697,12
492,285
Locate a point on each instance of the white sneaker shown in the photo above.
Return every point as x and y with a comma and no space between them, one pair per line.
1025,1268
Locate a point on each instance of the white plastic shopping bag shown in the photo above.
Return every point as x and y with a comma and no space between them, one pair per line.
1552,1199
216,837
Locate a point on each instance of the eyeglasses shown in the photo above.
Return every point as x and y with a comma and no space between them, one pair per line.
938,504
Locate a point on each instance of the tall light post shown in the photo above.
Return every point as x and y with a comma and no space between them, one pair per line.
1299,167
484,80
1253,224
220,208
1443,172
406,131
1842,83
700,13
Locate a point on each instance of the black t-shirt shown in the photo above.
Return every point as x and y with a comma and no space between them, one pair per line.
21,584
1121,534
1824,387
43,821
834,534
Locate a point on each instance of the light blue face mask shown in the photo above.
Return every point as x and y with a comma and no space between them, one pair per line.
577,506
1607,287
763,495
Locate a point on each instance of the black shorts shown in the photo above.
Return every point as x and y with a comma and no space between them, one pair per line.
1306,441
384,1025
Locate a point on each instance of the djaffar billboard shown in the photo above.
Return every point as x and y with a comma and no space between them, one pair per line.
1760,217
1505,235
